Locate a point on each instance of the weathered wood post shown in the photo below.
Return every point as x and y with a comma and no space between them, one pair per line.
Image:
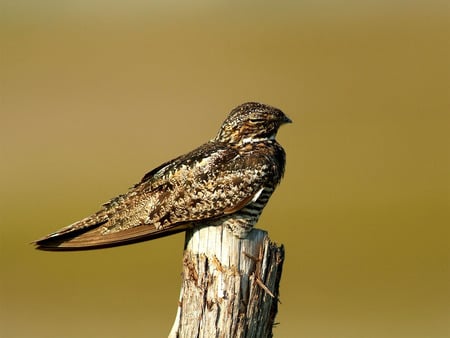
230,286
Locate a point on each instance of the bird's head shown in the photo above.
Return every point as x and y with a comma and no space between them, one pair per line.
251,122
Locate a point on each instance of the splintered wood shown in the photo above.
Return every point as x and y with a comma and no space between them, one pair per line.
230,286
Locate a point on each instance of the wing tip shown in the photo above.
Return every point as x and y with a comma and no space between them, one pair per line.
58,241
49,243
72,241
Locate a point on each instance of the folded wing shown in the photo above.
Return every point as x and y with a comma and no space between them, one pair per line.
210,182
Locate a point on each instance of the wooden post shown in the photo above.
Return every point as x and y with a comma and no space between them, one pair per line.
230,286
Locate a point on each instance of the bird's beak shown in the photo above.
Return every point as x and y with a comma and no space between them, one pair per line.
286,120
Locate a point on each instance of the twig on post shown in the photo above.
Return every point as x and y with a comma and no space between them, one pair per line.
230,286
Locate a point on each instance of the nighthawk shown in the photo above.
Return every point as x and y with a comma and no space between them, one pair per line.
227,180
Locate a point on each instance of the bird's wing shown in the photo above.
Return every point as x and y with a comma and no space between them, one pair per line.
211,181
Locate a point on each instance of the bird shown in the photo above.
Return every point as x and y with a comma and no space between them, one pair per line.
226,181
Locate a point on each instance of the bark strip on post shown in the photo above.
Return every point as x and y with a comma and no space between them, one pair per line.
230,286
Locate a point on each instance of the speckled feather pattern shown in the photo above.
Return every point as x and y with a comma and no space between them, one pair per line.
227,180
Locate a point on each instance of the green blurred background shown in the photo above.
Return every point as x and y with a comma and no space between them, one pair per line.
95,93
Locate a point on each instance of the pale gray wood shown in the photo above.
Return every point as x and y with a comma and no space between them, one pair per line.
230,286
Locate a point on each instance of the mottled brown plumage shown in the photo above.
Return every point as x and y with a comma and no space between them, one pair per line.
227,180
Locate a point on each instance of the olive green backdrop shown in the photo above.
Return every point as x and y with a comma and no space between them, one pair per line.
95,93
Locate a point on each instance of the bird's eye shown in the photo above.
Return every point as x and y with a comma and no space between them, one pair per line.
256,120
